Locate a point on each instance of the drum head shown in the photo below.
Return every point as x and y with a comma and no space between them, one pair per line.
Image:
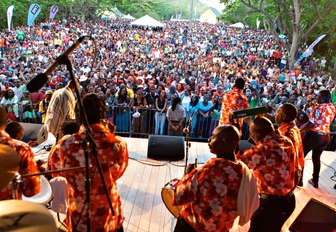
45,194
167,196
29,217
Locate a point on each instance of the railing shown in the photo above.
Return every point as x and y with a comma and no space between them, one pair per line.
145,124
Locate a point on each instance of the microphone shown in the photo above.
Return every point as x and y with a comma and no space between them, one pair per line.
37,82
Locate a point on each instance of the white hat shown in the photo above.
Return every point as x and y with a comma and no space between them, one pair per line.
83,78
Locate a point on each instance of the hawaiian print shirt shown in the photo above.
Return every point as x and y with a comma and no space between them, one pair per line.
30,185
233,100
208,195
322,116
113,155
272,163
293,132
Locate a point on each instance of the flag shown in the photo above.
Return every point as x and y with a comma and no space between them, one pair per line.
258,23
33,12
9,16
53,12
309,50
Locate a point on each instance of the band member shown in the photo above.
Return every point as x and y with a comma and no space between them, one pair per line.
113,155
318,135
61,107
209,194
30,185
272,162
234,100
285,116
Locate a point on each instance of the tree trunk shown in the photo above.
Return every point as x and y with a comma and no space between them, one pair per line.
296,31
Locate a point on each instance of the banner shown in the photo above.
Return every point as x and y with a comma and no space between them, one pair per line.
33,12
309,50
53,12
9,16
258,23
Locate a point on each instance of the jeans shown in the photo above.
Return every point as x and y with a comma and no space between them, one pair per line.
272,213
316,142
160,120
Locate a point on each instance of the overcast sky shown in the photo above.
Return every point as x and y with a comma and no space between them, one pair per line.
214,3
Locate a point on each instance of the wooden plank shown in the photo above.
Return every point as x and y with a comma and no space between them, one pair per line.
140,187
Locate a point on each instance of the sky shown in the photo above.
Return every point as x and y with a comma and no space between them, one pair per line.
214,3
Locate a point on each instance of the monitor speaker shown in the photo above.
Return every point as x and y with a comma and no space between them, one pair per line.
164,147
315,217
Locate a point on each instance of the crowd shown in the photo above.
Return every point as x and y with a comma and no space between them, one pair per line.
130,67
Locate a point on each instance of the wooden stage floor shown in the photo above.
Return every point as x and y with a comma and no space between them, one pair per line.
140,187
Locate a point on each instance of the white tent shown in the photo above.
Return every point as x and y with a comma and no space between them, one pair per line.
238,25
128,17
147,21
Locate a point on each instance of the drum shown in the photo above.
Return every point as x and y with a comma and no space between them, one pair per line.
45,194
167,195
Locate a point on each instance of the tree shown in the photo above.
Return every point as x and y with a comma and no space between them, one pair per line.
288,19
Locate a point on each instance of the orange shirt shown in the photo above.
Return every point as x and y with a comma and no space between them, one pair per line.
113,156
293,132
232,100
322,116
208,195
30,185
272,163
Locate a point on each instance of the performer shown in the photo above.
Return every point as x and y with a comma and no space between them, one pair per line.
61,107
113,154
272,162
176,115
285,116
317,137
234,100
30,185
209,194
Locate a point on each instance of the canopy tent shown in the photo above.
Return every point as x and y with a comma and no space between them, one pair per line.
238,25
147,21
128,17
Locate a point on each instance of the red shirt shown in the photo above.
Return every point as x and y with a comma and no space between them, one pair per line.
113,156
272,163
322,116
293,132
30,185
232,100
208,195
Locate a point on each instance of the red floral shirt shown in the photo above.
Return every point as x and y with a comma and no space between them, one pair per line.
293,132
113,155
232,100
208,195
30,185
272,163
322,116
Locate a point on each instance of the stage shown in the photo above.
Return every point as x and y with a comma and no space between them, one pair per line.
140,187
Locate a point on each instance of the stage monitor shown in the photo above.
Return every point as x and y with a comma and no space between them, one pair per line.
315,217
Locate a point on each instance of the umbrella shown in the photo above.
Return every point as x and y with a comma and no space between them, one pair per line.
282,36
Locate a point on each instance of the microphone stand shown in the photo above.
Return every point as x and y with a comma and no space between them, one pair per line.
87,144
186,130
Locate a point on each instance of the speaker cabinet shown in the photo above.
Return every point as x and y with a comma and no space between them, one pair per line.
164,147
315,217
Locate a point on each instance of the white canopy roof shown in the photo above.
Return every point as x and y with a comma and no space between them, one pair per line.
238,25
147,21
128,17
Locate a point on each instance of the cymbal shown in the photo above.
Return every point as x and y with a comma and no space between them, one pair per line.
23,216
9,164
